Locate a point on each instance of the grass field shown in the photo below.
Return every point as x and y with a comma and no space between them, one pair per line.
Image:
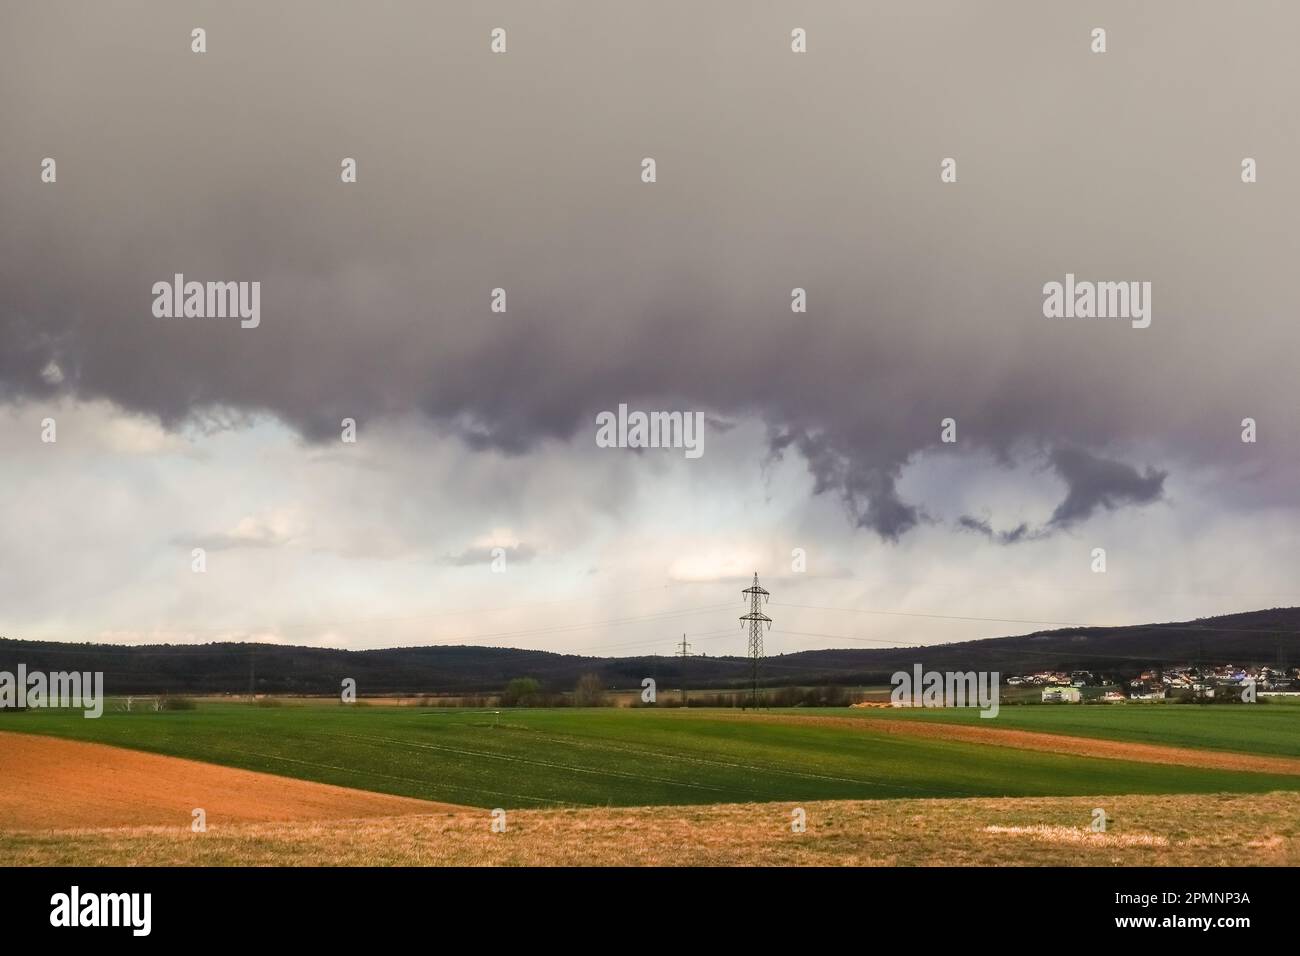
1182,830
619,757
1265,728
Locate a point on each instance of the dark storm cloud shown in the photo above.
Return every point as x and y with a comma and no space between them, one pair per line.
1091,482
1100,483
775,170
981,526
869,491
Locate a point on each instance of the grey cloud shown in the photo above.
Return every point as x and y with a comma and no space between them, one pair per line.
868,490
1096,482
1092,482
1020,532
871,492
264,538
521,171
272,529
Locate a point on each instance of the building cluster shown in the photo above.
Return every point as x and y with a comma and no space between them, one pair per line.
1057,679
1203,681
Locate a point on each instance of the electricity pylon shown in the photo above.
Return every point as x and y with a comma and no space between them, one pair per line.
755,617
684,653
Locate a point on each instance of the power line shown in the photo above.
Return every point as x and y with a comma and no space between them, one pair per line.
944,617
654,617
524,633
1010,620
1028,588
1068,653
637,619
394,619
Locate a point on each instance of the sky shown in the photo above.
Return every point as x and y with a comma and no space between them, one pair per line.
823,464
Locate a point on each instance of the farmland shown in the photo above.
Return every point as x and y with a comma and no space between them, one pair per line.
1269,728
1177,830
619,757
67,784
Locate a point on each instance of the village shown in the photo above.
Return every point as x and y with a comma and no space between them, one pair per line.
1192,682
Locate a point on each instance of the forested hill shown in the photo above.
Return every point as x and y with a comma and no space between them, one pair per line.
1254,637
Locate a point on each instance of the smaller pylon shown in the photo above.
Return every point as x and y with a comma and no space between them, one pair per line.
684,653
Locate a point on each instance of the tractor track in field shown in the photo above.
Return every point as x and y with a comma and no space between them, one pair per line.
532,761
1048,742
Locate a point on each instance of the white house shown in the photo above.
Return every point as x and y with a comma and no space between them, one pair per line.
1062,695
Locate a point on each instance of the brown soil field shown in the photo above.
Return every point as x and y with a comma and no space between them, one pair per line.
46,782
1052,743
1195,830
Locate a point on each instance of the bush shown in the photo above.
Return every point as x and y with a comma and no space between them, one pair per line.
522,692
166,703
830,695
590,692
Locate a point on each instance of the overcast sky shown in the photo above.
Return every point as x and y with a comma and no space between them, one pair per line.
775,170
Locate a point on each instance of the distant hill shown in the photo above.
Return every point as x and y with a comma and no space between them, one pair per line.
1253,637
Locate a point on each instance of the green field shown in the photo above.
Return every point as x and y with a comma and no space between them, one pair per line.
624,757
1265,728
